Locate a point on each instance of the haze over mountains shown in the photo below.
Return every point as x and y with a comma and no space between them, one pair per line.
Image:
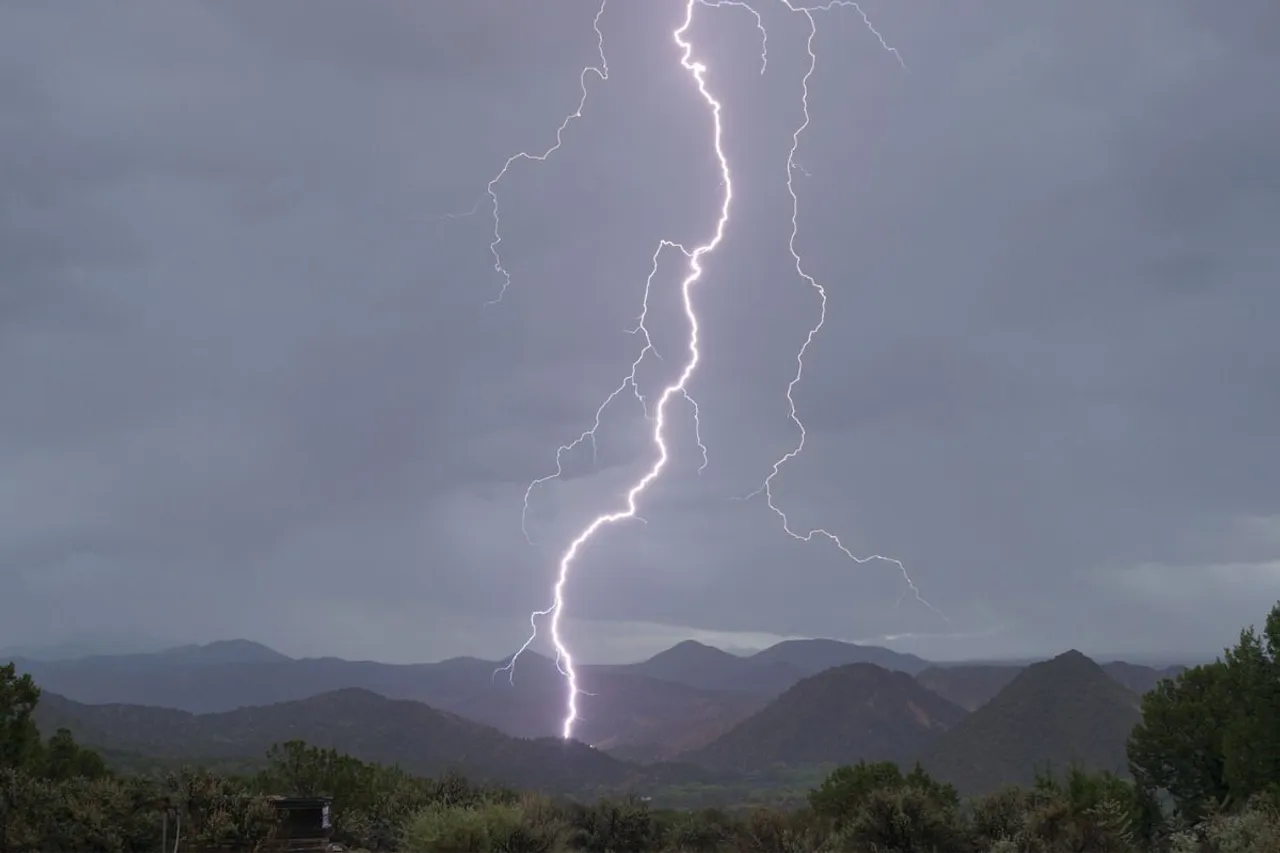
690,713
649,709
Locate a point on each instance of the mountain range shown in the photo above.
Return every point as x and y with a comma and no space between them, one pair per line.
357,722
690,714
677,700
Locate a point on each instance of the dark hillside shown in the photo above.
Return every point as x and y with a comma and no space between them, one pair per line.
969,686
641,716
973,685
842,715
1053,713
1138,678
696,665
816,655
419,738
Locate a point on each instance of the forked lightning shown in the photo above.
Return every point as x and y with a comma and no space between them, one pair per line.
766,487
658,412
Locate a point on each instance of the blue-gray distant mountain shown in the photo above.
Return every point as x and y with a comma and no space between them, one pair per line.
225,651
698,665
629,714
768,672
817,655
677,700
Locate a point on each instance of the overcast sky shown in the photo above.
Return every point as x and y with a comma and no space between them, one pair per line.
249,386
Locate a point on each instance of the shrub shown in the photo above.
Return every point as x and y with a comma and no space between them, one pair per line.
1256,829
998,817
613,826
703,831
441,828
904,820
768,831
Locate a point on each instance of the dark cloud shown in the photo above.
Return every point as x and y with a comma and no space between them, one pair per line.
246,359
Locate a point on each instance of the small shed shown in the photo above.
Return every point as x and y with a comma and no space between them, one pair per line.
303,824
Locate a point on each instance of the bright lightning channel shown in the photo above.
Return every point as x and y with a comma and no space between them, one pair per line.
628,382
564,659
658,413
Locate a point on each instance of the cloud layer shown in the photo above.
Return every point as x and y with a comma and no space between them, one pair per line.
250,387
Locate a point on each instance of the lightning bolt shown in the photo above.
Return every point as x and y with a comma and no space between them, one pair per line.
601,71
678,388
657,414
764,34
846,4
628,382
766,487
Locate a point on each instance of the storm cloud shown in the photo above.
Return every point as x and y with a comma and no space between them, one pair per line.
251,388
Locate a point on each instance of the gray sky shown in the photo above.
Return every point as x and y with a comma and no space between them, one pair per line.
250,387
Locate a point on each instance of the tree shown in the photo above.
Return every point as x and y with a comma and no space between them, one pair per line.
1213,735
19,737
1251,742
65,759
846,788
1178,745
845,793
904,818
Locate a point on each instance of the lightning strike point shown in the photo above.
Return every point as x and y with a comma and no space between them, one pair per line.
657,414
679,387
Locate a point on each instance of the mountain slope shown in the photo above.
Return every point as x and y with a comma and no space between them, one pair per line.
1053,713
644,718
357,722
1138,678
841,715
766,673
225,651
816,655
969,686
973,685
697,665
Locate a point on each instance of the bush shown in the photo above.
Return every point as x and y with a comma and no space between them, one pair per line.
769,831
441,828
613,826
703,831
1256,829
998,818
903,820
530,826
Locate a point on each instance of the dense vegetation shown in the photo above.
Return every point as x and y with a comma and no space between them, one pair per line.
1204,761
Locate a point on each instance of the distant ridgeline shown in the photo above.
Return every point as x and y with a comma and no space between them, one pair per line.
692,715
880,756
